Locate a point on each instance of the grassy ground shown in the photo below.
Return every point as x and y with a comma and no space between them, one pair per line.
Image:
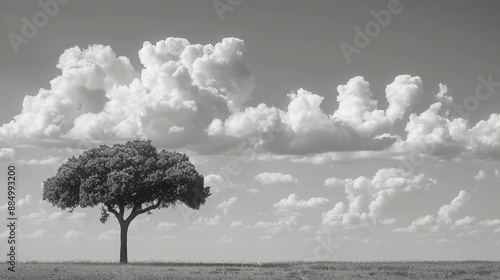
207,271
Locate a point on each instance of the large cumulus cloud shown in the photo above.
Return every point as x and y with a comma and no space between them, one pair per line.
180,90
194,96
303,128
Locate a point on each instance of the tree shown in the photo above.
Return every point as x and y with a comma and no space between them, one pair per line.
132,176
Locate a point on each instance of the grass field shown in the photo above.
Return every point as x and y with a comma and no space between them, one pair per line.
299,270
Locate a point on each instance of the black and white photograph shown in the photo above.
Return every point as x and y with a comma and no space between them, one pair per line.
250,139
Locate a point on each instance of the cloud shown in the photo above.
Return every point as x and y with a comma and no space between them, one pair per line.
166,226
109,235
303,128
444,241
334,182
78,218
45,161
138,224
193,96
292,203
306,229
268,178
7,154
20,202
5,234
265,238
219,182
473,232
254,191
225,205
467,221
440,133
445,212
224,240
481,176
236,224
169,237
367,197
37,234
208,221
42,217
72,234
433,223
180,89
285,224
490,222
25,201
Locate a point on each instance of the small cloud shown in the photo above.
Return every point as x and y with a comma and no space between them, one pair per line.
306,229
166,226
169,237
7,154
465,222
236,223
225,205
444,241
38,234
72,234
433,223
25,201
208,221
371,241
334,182
268,178
175,129
265,238
217,182
78,218
388,221
45,161
4,234
470,233
109,235
489,223
224,240
21,202
253,191
292,203
42,217
481,176
284,224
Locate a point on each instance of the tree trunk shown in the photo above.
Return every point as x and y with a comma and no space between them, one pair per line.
123,242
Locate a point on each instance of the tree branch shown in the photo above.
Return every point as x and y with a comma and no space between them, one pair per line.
112,210
136,212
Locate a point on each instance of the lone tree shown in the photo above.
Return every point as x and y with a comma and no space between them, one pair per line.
132,176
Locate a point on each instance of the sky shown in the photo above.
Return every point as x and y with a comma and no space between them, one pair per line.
327,130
